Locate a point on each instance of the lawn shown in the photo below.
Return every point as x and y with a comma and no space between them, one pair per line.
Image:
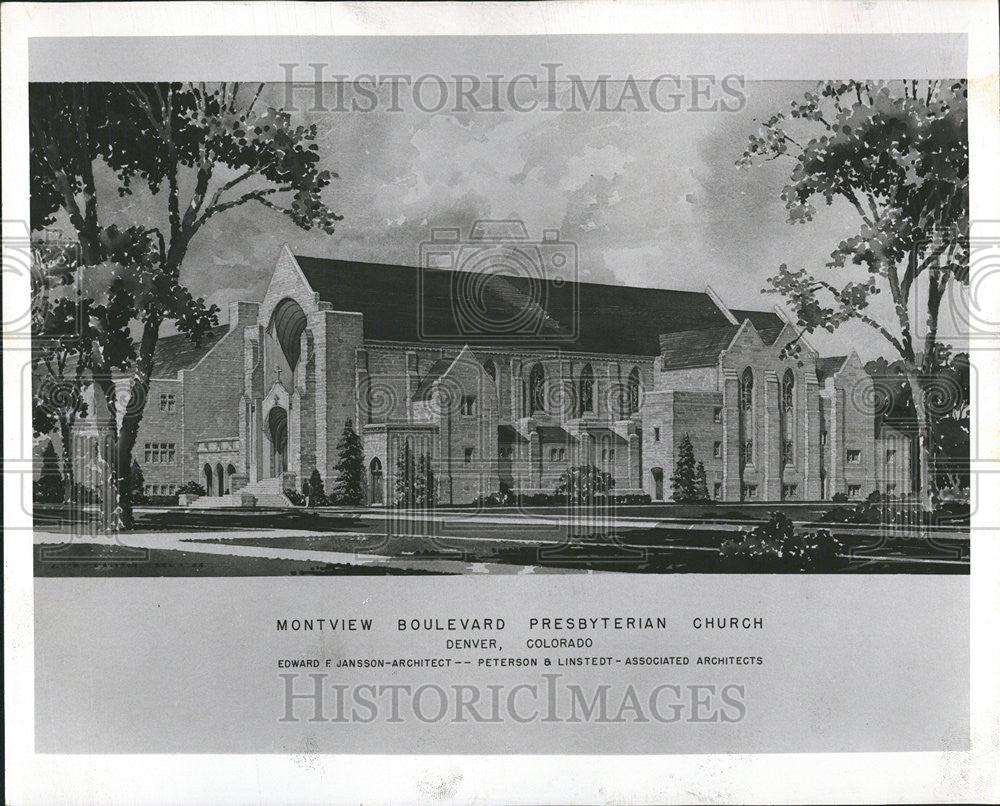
89,560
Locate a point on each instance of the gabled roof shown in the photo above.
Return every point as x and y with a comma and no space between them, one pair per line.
761,320
571,316
437,369
174,353
695,348
825,367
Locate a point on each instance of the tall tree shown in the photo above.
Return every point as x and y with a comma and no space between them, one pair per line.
348,487
198,149
49,484
682,482
137,484
700,483
314,490
405,476
897,154
423,482
59,360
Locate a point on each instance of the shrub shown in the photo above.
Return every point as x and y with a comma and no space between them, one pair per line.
136,485
632,498
683,482
297,498
191,488
583,484
348,486
887,509
774,547
840,498
314,491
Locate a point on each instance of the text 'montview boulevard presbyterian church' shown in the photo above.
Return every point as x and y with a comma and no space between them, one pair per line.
505,382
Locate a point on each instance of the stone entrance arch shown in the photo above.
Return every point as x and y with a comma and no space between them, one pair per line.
209,485
277,429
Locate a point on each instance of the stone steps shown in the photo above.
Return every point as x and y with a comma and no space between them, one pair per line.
263,493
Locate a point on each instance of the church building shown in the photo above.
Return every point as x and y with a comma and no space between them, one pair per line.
504,382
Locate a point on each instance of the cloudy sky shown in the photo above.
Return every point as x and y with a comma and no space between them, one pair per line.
651,198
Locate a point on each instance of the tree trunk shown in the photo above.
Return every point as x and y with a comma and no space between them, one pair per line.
925,451
107,429
129,431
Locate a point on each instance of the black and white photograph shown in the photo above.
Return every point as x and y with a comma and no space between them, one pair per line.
729,361
571,390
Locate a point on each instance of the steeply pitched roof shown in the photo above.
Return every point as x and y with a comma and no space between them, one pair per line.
762,320
695,348
825,367
577,317
174,353
437,369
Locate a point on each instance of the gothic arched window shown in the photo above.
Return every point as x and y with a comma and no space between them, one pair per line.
536,389
634,383
490,368
787,418
586,389
746,416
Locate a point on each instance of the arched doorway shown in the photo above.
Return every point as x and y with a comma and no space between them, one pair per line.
209,485
220,481
230,472
657,473
277,429
376,482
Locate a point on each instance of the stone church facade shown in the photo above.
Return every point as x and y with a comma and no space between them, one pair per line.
608,375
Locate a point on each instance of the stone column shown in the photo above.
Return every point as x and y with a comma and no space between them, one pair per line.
811,464
361,381
412,381
634,461
534,459
730,437
256,439
568,404
516,412
294,433
306,446
835,446
770,450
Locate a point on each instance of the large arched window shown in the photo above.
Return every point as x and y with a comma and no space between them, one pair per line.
787,414
634,384
287,324
536,389
586,390
746,416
